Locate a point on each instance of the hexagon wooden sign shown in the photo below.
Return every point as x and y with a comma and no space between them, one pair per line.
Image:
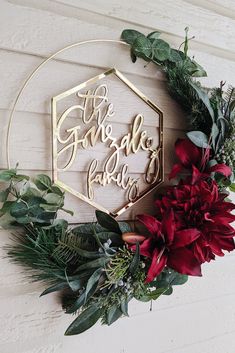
107,142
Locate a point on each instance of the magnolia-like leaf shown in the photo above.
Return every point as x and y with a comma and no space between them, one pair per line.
113,314
199,139
124,307
84,321
55,288
92,283
108,222
204,98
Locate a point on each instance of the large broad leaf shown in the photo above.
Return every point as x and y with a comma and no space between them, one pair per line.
198,138
124,307
204,98
84,321
130,35
113,314
55,288
108,222
43,182
93,283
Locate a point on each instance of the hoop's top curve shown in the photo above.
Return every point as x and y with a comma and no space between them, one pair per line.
33,74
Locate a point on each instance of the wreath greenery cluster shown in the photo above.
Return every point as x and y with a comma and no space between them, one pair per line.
99,267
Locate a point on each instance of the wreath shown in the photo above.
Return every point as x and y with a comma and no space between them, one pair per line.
99,267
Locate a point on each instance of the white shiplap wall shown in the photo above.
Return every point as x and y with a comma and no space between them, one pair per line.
198,317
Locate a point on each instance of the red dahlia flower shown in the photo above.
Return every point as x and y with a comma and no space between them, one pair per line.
166,246
201,207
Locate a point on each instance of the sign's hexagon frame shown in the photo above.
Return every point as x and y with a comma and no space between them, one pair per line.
133,88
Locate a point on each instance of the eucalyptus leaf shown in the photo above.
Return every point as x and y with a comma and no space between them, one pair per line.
142,47
130,35
154,35
43,182
84,321
54,199
19,209
7,175
161,50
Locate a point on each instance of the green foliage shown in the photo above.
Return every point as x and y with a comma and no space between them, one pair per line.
28,203
211,113
84,321
199,139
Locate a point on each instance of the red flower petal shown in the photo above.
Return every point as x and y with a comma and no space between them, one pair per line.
175,170
145,248
183,261
222,169
224,243
168,227
150,223
156,267
187,152
185,237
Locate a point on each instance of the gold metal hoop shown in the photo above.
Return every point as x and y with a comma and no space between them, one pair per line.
29,78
